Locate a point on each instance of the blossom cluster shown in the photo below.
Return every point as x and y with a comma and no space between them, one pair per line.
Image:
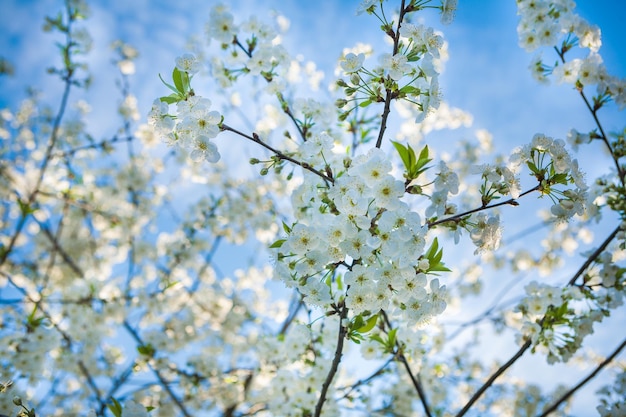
193,127
553,166
548,23
410,73
360,224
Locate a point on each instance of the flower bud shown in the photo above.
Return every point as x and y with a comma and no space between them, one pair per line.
340,103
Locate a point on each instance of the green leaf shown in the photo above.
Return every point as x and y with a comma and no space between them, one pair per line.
378,339
339,281
369,325
170,86
25,208
532,167
357,322
278,243
420,166
431,252
434,256
116,407
171,99
404,154
181,81
559,179
365,103
439,268
147,350
286,228
391,341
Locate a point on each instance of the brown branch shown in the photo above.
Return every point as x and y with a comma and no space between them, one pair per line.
526,345
594,256
589,377
415,379
256,139
456,217
341,335
165,384
493,377
388,92
594,113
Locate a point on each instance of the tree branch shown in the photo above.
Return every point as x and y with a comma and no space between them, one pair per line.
341,335
456,217
589,377
165,384
415,379
492,378
388,92
255,138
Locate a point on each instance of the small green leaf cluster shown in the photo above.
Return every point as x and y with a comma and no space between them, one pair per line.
434,255
414,165
359,326
181,89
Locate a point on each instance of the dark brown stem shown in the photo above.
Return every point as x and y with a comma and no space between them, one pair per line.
594,113
388,92
456,217
594,256
415,379
165,384
493,377
256,139
341,336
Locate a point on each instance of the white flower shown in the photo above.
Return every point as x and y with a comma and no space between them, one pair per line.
302,239
446,180
221,26
352,63
188,63
486,234
448,10
359,298
159,118
395,65
204,150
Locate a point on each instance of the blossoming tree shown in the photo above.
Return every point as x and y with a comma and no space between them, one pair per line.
113,300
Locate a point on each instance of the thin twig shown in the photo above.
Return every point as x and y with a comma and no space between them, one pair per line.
456,217
256,139
165,384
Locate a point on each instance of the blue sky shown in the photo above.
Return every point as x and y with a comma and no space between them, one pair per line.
486,75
